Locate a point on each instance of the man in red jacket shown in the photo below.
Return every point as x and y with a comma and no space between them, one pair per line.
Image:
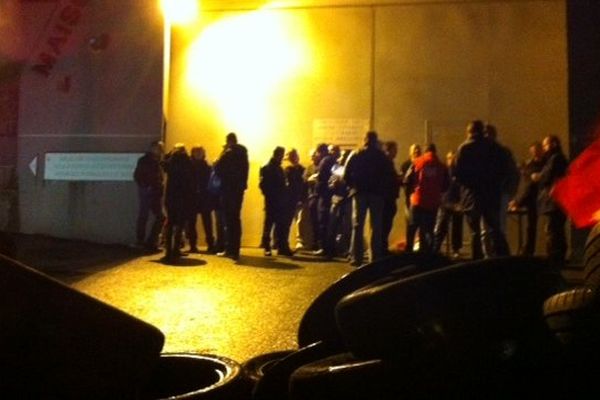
429,176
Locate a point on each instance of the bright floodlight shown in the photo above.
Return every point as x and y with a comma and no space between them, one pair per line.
179,11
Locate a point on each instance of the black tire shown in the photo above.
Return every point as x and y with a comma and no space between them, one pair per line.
591,263
60,343
574,316
184,376
489,308
344,376
318,322
592,244
255,368
275,381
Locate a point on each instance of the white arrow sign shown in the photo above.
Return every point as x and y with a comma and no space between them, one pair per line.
33,166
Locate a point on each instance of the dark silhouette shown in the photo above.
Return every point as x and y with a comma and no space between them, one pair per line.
481,169
297,193
148,176
450,213
527,196
367,173
390,199
329,156
232,168
555,167
274,188
179,199
204,201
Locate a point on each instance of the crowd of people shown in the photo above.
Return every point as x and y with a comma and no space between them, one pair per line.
328,200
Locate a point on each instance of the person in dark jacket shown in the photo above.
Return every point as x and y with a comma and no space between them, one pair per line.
450,213
555,167
481,169
366,174
297,193
232,168
148,176
392,193
414,151
429,176
527,196
274,188
329,156
179,198
204,201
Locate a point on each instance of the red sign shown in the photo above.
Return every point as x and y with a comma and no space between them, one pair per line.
69,16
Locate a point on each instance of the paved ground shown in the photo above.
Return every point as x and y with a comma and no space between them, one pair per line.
206,304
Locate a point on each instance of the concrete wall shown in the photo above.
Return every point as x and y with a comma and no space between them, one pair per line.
86,99
418,71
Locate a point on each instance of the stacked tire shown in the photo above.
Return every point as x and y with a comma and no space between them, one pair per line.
414,328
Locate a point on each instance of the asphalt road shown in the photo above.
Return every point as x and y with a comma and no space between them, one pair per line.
213,305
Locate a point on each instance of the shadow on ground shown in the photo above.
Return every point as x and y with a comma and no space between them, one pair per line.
181,262
69,260
266,262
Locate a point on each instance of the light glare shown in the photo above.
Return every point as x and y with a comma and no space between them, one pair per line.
179,11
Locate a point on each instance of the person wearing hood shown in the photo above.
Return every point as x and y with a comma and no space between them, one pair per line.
429,178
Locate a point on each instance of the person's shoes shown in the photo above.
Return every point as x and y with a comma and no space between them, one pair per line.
319,252
455,256
149,249
268,253
299,246
211,250
356,263
285,253
194,250
221,254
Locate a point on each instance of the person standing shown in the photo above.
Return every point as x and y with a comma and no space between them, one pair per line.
527,196
179,199
297,192
480,169
274,188
555,167
509,186
148,176
329,156
429,176
366,174
391,196
232,168
450,213
204,201
414,151
309,217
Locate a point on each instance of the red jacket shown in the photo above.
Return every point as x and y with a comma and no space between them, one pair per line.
430,178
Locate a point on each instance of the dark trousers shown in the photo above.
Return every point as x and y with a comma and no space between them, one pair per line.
276,221
323,210
424,221
531,232
389,212
232,207
220,225
207,224
176,223
488,214
556,240
448,218
339,233
150,202
313,211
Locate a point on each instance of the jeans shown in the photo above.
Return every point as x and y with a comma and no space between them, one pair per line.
389,212
374,204
422,220
231,208
446,218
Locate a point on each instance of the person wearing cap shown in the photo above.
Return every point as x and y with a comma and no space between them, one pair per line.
148,175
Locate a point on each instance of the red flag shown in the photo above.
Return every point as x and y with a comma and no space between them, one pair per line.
578,192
